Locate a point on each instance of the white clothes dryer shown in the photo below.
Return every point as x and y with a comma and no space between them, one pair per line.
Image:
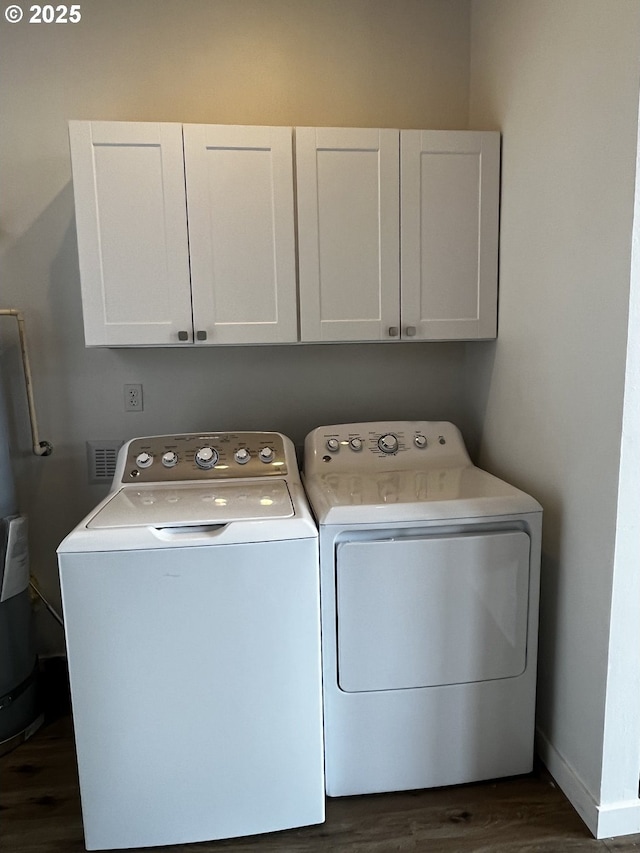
429,586
192,616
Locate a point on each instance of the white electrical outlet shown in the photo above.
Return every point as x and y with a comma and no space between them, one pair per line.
133,398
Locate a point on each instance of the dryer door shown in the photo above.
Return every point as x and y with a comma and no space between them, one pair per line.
431,611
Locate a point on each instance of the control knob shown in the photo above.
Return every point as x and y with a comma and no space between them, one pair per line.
242,456
206,457
266,455
388,443
144,459
356,444
333,445
169,459
420,441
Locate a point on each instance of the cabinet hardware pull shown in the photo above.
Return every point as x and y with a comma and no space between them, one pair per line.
393,331
201,336
183,336
410,331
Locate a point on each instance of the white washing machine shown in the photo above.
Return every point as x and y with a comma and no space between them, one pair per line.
192,616
429,584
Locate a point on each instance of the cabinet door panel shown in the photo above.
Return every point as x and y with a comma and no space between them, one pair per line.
241,232
449,205
348,205
132,232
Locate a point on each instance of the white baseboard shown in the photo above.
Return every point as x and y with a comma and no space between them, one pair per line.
603,821
619,819
574,789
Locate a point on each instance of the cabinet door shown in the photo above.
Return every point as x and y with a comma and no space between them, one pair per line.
241,233
449,246
348,233
128,181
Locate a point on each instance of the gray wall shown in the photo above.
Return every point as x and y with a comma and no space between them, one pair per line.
561,80
283,62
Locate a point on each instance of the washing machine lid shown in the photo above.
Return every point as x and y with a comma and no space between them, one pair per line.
417,495
190,504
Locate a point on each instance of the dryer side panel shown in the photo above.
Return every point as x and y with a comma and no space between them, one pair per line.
430,611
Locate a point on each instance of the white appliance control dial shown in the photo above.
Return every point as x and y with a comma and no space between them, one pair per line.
266,454
242,456
206,457
356,444
388,443
169,459
333,445
420,441
143,460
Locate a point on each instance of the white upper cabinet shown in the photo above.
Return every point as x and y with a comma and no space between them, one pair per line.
449,235
397,234
132,231
148,278
187,233
241,233
348,233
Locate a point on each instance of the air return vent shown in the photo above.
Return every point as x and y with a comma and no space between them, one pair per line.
101,460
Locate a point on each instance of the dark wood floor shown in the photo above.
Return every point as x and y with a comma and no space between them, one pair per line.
40,813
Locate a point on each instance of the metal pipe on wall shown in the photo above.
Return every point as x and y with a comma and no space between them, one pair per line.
8,499
40,448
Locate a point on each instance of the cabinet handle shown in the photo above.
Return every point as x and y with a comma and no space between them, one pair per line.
183,336
410,331
393,331
201,336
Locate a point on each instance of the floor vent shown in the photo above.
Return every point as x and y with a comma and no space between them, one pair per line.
101,459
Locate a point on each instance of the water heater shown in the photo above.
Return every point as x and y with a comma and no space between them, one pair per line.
19,715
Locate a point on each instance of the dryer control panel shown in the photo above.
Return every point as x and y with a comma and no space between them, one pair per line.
203,456
390,445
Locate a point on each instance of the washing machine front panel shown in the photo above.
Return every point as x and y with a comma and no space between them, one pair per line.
431,611
196,691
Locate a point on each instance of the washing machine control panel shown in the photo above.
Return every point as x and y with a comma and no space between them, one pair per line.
388,444
204,456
